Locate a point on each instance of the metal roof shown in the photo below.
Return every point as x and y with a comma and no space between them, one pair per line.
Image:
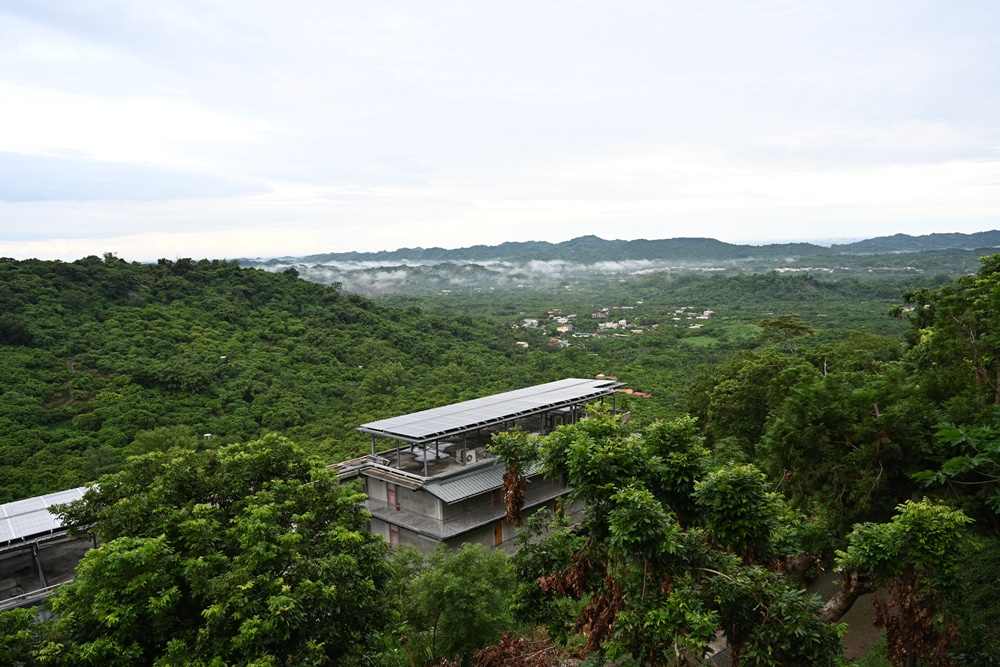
23,520
465,486
436,423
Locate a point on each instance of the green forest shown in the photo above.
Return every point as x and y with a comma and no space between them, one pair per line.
792,423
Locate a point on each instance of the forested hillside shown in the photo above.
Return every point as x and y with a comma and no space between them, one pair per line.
100,358
104,358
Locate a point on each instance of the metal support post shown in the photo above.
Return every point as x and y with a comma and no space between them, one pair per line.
38,564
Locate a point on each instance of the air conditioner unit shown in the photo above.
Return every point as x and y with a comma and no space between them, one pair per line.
470,457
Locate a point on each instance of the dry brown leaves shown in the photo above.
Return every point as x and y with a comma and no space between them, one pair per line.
570,583
599,615
514,651
513,493
910,628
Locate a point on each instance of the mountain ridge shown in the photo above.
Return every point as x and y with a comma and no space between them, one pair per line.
591,248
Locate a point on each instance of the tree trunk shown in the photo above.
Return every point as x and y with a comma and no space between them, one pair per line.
852,586
797,567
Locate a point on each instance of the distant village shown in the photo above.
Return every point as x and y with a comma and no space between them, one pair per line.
612,321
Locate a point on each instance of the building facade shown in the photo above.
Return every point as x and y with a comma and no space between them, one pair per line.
438,482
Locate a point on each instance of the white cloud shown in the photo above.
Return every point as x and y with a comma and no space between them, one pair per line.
152,130
379,125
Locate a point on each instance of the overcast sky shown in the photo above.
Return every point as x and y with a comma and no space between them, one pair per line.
222,128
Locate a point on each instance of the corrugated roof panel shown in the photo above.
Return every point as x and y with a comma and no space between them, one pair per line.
467,486
471,484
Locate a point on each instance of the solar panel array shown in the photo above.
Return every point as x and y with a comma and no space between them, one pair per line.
437,422
28,518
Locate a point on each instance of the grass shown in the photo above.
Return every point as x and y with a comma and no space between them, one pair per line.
876,655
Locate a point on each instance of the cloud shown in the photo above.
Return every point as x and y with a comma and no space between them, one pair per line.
26,178
231,129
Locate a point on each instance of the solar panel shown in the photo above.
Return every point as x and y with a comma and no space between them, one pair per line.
24,519
488,410
33,523
24,506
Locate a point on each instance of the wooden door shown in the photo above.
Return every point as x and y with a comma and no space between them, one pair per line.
497,533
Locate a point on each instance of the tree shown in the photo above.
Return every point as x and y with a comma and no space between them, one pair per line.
460,601
956,337
659,562
668,551
248,554
20,633
916,557
518,450
975,466
785,330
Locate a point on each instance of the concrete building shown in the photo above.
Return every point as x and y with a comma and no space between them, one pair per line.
439,483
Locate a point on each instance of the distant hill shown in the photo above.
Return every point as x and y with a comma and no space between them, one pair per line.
583,249
906,243
593,260
589,249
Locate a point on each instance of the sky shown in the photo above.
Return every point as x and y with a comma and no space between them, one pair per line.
222,129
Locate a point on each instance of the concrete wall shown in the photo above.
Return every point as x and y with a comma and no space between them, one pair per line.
406,537
484,534
418,501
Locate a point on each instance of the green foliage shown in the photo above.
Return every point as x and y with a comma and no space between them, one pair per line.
739,511
460,601
922,538
840,426
20,633
248,554
876,654
651,587
515,446
956,334
676,451
749,603
97,354
977,463
977,604
545,545
917,557
785,330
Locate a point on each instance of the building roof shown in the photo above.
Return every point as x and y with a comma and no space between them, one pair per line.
26,520
436,423
466,486
459,487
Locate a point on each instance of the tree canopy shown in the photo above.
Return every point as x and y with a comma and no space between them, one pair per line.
248,554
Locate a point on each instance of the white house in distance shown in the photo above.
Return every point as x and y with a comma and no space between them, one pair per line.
437,482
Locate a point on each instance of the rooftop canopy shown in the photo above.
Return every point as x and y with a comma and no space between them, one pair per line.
29,520
436,423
